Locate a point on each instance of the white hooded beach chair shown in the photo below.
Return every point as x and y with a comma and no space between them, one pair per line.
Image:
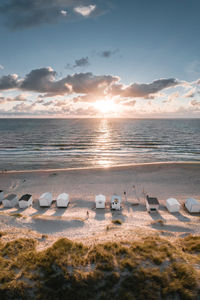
192,205
45,199
62,200
10,200
172,205
100,201
116,202
152,204
25,201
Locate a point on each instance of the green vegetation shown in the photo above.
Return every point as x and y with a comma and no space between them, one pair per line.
150,268
2,233
117,222
158,222
16,215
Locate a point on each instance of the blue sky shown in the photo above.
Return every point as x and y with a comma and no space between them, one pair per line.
137,43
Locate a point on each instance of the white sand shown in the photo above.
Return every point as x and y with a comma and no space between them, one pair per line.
163,180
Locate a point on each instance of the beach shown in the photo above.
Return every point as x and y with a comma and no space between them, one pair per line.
162,180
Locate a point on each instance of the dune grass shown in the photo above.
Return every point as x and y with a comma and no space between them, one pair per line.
150,268
117,221
16,215
158,222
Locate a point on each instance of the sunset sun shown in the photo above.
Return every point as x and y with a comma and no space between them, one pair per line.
106,106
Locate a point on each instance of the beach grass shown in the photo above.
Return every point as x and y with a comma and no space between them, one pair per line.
149,268
117,222
16,215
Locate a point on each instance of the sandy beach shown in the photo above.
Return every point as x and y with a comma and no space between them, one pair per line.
163,180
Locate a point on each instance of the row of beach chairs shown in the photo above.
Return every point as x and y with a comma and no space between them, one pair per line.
26,200
173,205
46,199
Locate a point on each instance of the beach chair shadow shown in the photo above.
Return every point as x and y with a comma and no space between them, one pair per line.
181,217
77,202
39,210
20,210
156,216
2,208
162,207
172,228
139,207
14,209
53,226
189,213
118,214
100,214
60,211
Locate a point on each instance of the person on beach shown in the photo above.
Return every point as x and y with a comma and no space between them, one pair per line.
125,196
87,214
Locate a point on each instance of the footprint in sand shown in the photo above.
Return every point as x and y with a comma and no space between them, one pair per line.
14,185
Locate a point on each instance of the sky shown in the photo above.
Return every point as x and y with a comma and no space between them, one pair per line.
110,58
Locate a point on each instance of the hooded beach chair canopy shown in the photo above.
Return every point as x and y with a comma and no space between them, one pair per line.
116,202
25,201
45,199
62,200
192,205
172,205
100,201
152,203
10,200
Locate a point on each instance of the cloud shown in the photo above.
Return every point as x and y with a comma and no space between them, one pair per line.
82,62
144,89
18,98
20,14
129,103
172,97
190,93
9,82
85,11
43,81
108,53
2,100
63,12
53,107
197,81
1,67
87,85
88,98
24,107
195,103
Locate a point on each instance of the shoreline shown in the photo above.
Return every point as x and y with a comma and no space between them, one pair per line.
104,168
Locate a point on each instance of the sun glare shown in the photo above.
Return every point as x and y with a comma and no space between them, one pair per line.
106,106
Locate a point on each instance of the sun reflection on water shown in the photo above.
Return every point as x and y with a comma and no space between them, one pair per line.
101,143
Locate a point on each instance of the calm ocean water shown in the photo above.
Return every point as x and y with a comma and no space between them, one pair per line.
75,143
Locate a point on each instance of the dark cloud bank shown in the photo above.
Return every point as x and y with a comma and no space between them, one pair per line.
22,14
44,81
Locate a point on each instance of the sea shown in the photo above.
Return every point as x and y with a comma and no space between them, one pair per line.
31,144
